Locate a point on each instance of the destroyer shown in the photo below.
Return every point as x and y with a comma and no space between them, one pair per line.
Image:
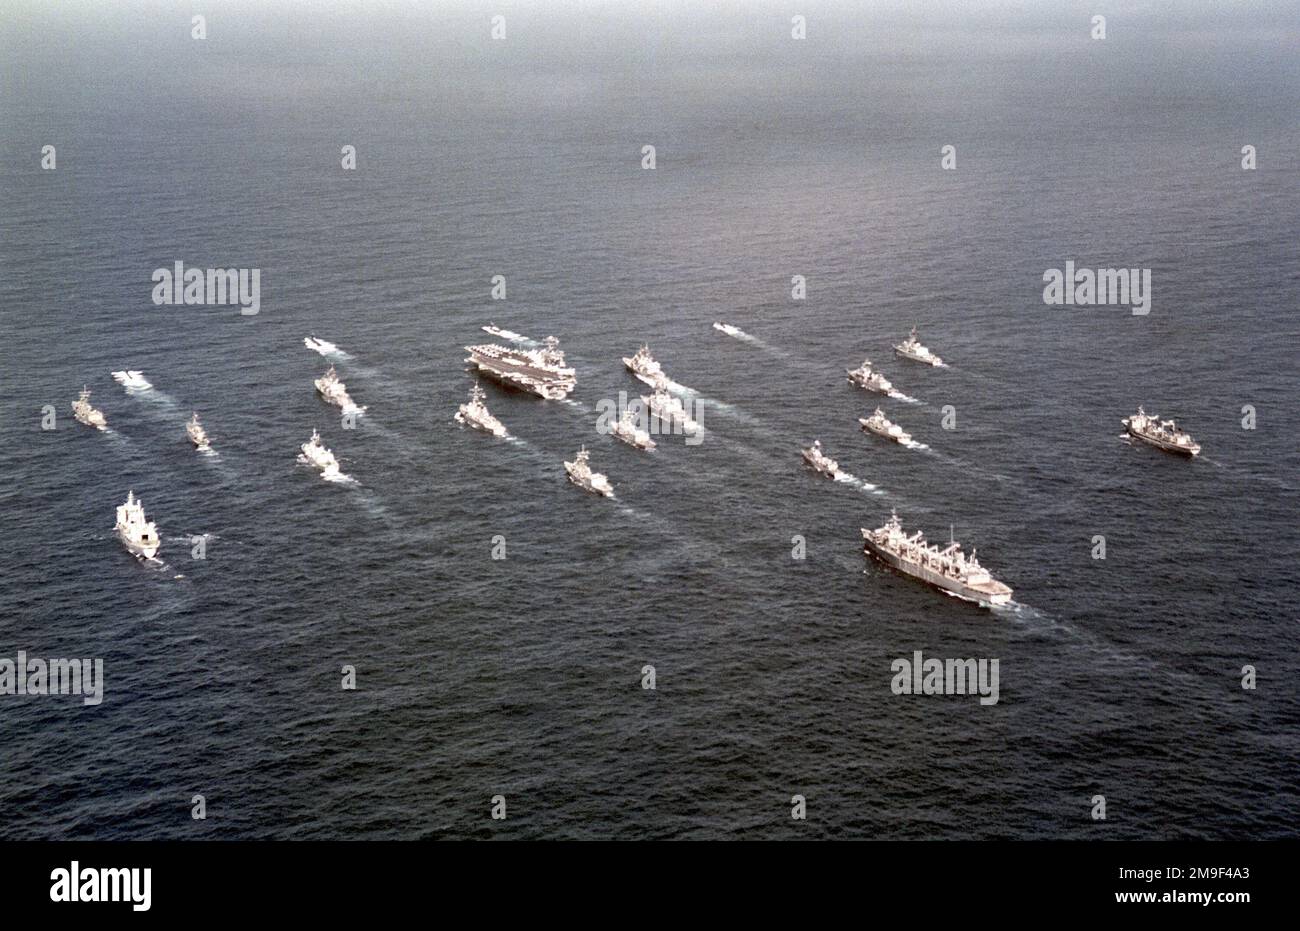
315,454
626,429
911,348
644,366
881,425
668,408
1162,434
475,413
864,377
139,535
821,463
198,436
539,371
335,392
86,414
949,569
581,475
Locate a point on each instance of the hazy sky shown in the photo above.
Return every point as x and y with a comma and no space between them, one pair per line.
1239,54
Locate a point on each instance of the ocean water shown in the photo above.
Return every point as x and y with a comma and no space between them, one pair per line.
521,677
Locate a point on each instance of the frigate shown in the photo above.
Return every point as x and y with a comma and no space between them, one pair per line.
1162,434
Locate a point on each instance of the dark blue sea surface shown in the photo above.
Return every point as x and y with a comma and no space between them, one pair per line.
522,676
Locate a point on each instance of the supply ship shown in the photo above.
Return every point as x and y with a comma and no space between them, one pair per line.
949,569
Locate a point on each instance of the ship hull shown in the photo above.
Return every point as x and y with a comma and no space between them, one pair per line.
670,413
885,434
585,484
631,439
317,461
339,398
1185,451
859,381
935,579
494,427
138,549
645,375
820,468
904,354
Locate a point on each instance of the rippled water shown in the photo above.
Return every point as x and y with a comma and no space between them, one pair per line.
521,676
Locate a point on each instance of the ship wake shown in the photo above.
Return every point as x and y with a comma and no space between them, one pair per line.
848,478
325,348
518,339
132,380
736,332
139,388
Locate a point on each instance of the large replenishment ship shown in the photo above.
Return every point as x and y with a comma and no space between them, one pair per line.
949,569
137,533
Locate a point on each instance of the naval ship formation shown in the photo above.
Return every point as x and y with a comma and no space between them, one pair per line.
542,371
